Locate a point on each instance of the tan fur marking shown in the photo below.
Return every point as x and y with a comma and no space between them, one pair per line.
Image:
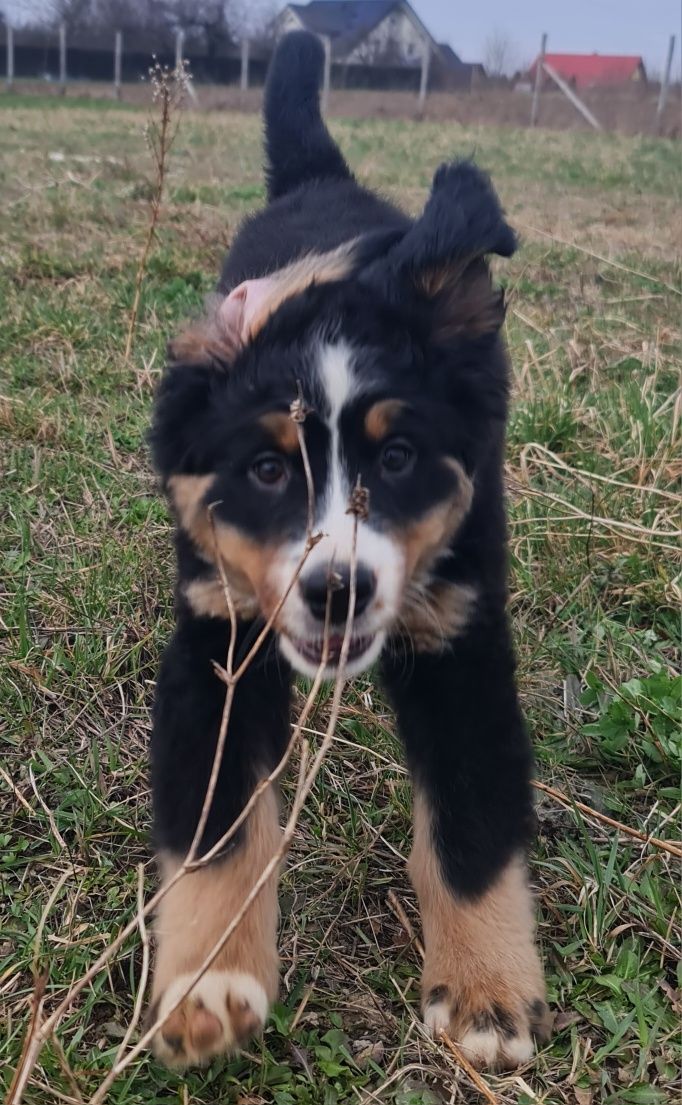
206,597
424,540
187,494
282,429
468,301
246,563
196,911
314,268
380,416
208,340
436,612
479,954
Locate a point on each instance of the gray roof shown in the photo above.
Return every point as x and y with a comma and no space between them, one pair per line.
347,22
342,18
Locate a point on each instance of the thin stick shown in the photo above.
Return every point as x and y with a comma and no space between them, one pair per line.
38,1036
557,462
144,973
227,705
570,803
599,257
168,87
303,788
397,908
31,1049
298,414
473,1074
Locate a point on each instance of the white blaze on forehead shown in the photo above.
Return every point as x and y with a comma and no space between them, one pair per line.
375,550
334,366
336,375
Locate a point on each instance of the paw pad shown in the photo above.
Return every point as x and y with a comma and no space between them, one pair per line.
219,1014
493,1036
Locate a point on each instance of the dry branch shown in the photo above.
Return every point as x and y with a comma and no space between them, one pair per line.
40,1032
168,90
572,803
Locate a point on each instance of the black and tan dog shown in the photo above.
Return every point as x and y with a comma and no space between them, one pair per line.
388,330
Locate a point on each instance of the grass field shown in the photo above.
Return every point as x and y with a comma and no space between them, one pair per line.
85,607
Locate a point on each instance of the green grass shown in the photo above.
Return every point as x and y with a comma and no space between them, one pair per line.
86,594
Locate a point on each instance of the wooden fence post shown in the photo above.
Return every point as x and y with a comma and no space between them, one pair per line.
665,85
9,77
62,58
179,48
424,78
244,75
539,74
327,43
570,95
118,52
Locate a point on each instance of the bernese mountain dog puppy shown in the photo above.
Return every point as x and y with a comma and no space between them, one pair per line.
383,332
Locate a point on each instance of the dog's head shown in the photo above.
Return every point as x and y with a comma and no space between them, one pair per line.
384,357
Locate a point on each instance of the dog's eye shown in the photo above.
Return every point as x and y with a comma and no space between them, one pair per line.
397,457
269,470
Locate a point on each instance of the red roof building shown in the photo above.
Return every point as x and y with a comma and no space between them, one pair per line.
594,70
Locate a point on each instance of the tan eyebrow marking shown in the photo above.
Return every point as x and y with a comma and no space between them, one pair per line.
380,416
282,429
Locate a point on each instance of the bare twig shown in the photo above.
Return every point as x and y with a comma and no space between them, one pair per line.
471,1071
144,973
32,1043
304,785
168,90
599,257
396,906
556,462
571,803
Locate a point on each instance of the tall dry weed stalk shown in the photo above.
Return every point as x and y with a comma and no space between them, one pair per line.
43,1028
169,89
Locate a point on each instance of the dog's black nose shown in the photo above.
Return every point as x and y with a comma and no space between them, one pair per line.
315,584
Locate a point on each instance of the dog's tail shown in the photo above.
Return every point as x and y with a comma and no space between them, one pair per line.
299,147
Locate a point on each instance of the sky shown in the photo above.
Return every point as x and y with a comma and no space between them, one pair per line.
573,26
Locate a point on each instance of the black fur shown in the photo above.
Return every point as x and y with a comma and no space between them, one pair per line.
457,708
298,146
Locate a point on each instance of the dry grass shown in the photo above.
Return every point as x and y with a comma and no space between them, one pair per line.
627,110
86,593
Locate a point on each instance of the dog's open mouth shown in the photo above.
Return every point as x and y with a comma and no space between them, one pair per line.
312,649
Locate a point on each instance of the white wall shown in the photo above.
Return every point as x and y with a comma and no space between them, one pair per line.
395,40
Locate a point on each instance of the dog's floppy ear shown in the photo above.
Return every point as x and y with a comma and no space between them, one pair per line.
233,320
226,326
441,257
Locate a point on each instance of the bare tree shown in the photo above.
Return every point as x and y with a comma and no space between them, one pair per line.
75,14
252,18
499,53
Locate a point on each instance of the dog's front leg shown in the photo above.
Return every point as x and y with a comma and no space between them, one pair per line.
230,1002
470,761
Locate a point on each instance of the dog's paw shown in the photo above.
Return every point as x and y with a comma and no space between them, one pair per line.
222,1011
499,1035
482,982
230,1002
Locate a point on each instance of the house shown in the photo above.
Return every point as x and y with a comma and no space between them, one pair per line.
462,74
385,34
595,70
